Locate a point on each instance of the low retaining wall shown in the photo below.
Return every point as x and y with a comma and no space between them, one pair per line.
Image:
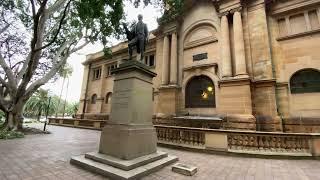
80,123
248,142
235,141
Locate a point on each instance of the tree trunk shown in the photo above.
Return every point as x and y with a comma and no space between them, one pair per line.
14,119
60,97
65,99
39,114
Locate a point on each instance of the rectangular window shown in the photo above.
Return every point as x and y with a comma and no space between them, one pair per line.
282,27
298,23
314,21
110,68
96,73
146,60
151,60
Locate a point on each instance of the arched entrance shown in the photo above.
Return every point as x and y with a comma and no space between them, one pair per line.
200,93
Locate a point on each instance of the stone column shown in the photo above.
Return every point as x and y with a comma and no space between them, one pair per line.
165,61
225,48
240,58
173,60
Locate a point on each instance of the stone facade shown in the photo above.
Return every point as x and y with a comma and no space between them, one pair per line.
249,49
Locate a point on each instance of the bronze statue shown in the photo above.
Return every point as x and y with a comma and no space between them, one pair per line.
138,37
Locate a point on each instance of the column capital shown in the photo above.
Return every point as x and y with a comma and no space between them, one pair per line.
238,9
221,14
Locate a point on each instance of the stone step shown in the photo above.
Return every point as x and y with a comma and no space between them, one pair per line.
125,164
116,173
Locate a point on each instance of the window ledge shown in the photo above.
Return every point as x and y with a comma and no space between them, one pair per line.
292,36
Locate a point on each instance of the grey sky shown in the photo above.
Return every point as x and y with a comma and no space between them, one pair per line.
150,15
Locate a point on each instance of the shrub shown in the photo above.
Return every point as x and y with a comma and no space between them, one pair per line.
4,134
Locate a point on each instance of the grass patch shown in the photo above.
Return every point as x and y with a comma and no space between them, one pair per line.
4,134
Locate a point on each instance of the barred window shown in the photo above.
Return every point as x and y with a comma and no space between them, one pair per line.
110,68
150,60
305,81
200,93
96,73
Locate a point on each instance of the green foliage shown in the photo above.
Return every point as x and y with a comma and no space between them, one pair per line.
72,108
5,134
2,116
39,101
172,10
38,104
66,71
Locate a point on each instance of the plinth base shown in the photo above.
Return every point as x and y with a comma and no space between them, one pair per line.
116,168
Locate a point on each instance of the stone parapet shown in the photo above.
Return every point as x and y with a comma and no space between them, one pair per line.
243,142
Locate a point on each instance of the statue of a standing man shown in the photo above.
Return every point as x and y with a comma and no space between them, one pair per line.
140,39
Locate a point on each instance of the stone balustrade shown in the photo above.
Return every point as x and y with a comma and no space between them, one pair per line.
175,135
249,142
235,141
81,123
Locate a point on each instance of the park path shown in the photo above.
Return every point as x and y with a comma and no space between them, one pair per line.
47,157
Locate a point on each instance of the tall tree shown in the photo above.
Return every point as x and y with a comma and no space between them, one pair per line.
64,73
37,37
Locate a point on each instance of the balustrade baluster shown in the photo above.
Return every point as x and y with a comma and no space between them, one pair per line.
175,135
191,137
289,143
293,143
299,143
201,138
306,144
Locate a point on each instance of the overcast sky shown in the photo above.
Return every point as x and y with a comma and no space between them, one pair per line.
150,15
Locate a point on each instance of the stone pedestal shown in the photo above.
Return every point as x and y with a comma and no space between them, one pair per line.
128,143
236,104
169,96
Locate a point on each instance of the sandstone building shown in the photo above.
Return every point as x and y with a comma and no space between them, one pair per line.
253,63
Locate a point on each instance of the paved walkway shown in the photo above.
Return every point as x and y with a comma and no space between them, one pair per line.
47,157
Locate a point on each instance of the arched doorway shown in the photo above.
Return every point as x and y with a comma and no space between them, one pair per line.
200,93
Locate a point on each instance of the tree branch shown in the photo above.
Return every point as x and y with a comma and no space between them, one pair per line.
3,82
8,72
56,66
80,47
59,28
4,29
33,7
38,19
56,6
23,69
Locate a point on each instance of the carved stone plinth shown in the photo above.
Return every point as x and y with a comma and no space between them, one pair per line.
128,143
